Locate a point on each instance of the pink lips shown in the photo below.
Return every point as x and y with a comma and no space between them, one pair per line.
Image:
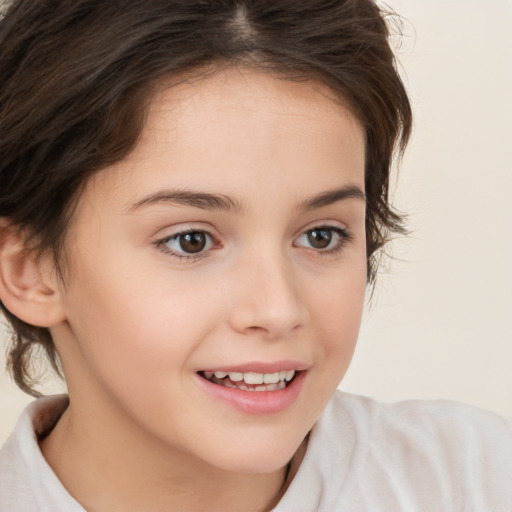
258,402
259,367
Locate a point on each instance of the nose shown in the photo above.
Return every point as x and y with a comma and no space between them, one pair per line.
268,300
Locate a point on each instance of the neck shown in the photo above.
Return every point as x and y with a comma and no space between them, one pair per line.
112,470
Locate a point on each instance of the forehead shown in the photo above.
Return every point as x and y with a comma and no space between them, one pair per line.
237,127
242,104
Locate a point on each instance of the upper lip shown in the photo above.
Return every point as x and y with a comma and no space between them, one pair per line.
260,367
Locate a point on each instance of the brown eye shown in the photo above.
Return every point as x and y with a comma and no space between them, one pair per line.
324,239
188,244
319,238
192,242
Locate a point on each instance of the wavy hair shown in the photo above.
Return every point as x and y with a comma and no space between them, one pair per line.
76,77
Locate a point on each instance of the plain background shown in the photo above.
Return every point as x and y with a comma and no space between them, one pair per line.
439,324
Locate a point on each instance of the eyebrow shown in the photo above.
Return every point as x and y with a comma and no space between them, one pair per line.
210,201
202,200
332,196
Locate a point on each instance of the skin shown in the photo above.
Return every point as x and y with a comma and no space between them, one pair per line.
139,322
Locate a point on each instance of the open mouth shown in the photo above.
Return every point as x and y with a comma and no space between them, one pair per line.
250,381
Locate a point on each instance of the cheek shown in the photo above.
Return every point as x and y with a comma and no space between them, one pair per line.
138,350
143,326
137,329
336,310
129,312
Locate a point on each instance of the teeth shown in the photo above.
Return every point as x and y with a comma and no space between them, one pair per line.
268,378
253,378
271,378
268,387
271,387
245,386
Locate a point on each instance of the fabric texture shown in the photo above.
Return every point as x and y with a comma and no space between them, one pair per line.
362,456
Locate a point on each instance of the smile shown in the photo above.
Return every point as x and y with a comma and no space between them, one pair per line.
255,388
251,381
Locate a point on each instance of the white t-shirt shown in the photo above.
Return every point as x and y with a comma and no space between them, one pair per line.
362,456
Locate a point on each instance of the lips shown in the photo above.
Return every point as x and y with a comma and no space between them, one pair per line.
255,388
251,381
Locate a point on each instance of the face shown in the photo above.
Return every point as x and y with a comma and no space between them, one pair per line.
216,276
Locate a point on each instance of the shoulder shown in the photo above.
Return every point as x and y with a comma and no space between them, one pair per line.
427,415
27,483
438,421
415,455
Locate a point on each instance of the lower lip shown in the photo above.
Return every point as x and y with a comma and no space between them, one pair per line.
257,402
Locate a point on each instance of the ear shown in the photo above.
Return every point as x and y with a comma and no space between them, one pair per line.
29,288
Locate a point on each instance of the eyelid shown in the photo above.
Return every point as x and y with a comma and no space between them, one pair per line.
161,242
345,237
325,224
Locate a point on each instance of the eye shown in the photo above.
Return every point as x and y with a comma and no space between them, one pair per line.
187,244
326,239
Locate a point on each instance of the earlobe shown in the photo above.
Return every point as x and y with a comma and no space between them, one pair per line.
28,288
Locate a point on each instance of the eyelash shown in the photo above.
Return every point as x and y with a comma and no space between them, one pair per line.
162,245
343,235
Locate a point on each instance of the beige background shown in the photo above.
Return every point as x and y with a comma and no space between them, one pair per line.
440,322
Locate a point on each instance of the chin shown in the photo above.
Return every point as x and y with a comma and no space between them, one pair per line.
259,458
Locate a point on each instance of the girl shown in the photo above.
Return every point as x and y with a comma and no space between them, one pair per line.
192,200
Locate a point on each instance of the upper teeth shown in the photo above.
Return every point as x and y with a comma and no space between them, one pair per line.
257,378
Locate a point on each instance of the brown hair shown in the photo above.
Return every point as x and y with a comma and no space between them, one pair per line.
76,75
